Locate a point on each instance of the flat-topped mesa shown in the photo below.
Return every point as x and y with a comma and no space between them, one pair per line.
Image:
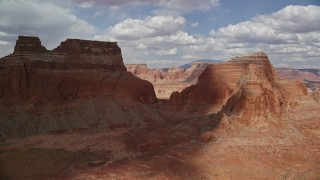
86,46
72,53
256,58
28,45
76,69
91,54
137,69
199,64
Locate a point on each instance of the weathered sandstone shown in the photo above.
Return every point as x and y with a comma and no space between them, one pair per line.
247,86
316,95
55,90
75,69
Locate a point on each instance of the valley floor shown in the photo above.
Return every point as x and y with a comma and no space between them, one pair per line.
192,147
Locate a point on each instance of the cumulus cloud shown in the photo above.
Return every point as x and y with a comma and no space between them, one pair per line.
165,35
293,31
151,26
149,38
47,20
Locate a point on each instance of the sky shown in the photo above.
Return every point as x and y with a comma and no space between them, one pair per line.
166,33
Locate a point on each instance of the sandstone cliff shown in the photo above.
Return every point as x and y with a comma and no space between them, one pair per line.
75,69
244,86
36,82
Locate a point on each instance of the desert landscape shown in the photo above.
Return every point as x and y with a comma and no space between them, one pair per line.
77,112
159,89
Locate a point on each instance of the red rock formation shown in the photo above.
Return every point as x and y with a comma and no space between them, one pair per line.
141,71
174,74
316,96
29,44
137,69
255,96
166,81
247,86
75,69
192,74
43,91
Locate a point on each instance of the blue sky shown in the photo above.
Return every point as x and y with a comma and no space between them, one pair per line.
164,33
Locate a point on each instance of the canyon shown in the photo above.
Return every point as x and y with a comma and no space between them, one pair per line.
77,112
166,81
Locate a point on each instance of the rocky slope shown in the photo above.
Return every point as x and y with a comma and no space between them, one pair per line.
248,80
52,90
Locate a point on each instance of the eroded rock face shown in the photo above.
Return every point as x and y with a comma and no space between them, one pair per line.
75,69
245,86
48,89
316,96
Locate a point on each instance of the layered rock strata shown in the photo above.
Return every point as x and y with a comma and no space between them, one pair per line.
79,84
75,69
246,86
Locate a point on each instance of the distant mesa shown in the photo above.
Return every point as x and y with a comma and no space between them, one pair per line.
201,61
168,80
311,77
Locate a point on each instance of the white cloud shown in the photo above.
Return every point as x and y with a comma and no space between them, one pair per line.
86,4
149,38
46,20
294,19
3,43
151,26
283,26
170,52
195,24
290,34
